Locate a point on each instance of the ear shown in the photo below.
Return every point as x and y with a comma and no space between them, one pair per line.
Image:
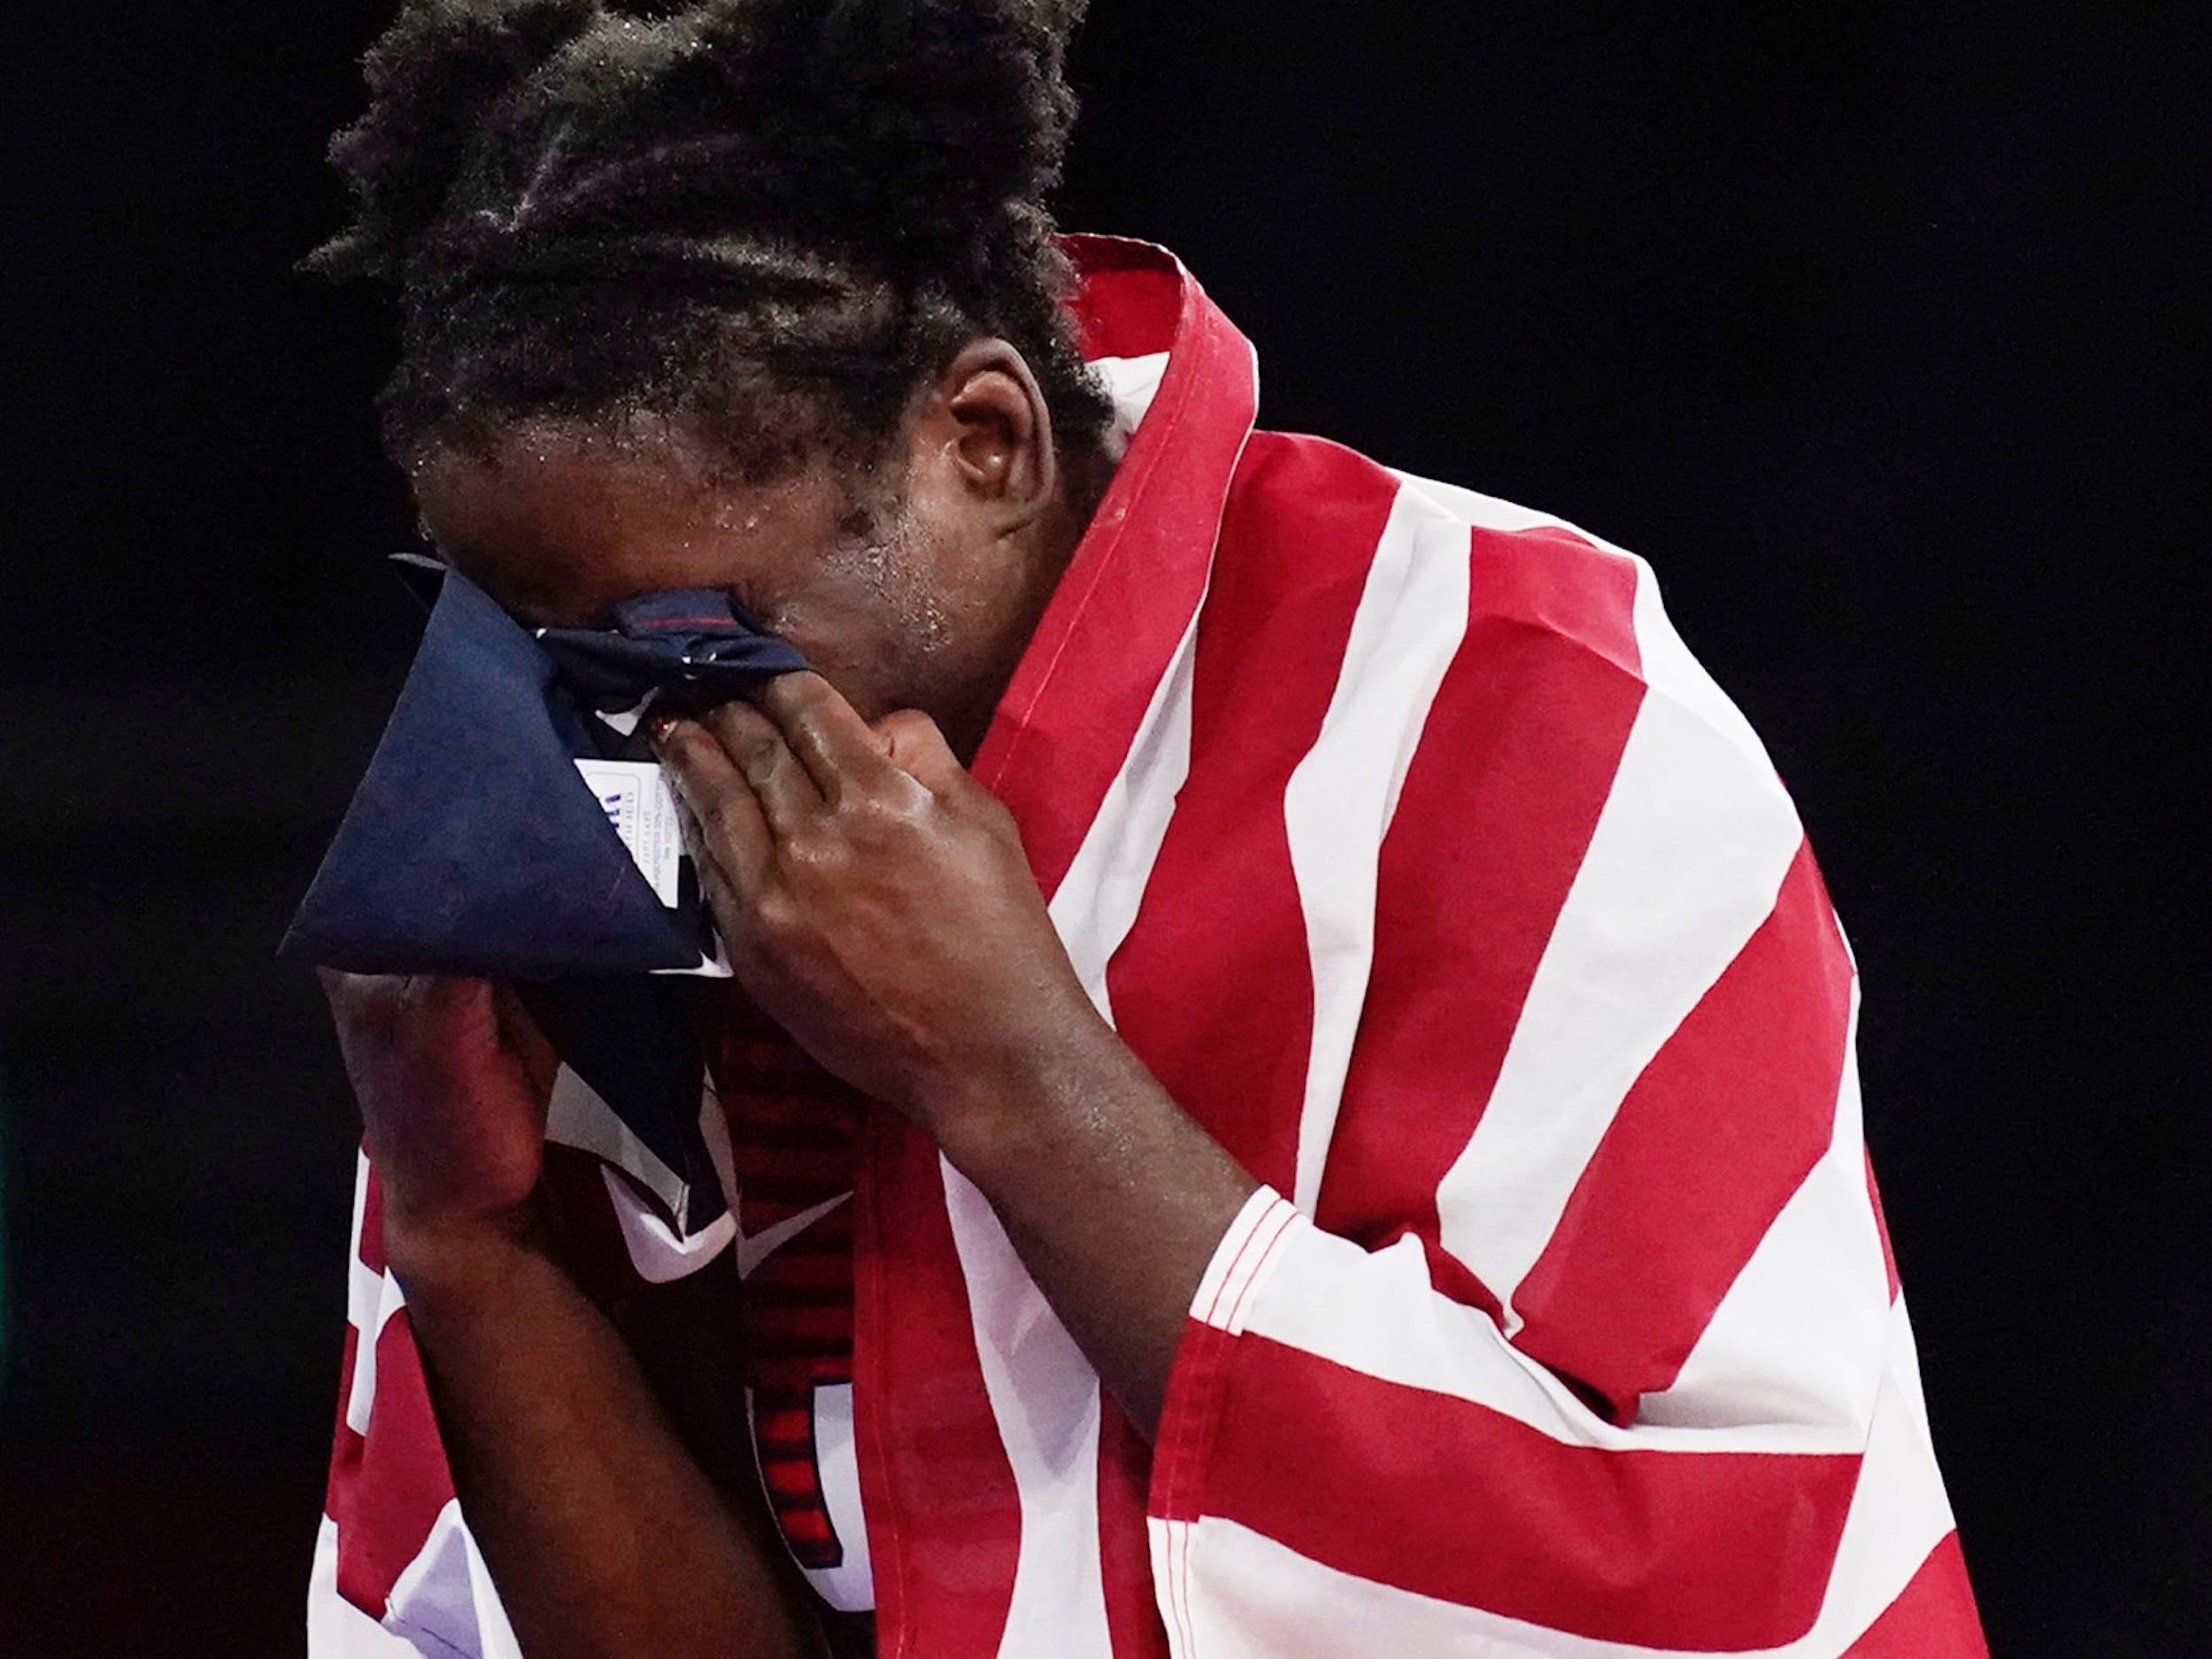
985,433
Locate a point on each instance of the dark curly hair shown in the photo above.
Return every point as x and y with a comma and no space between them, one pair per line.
775,218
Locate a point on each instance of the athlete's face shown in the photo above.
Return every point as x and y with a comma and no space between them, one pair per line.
922,599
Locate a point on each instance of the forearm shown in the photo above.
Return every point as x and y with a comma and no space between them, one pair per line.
1114,1196
604,1536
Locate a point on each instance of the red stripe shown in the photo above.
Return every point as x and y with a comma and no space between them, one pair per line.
345,1445
781,1183
944,1515
812,1537
1882,1229
1720,1130
1935,1617
1212,988
1183,1449
1500,802
791,1425
791,1479
1130,299
1133,1626
401,1482
1444,1498
1079,693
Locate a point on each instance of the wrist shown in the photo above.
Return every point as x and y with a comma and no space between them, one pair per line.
1017,1104
444,1256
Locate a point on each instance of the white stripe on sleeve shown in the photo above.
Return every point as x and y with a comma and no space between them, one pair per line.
1376,1312
1234,1593
1411,619
1689,852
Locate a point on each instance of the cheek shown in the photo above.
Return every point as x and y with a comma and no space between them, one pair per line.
852,644
901,617
905,590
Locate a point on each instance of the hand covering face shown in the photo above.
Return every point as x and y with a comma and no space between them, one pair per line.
473,847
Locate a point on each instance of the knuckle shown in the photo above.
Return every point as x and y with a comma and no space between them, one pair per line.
775,917
815,848
870,809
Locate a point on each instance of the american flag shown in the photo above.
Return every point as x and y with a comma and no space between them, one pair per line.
1399,834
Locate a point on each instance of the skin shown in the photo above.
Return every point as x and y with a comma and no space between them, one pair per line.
875,900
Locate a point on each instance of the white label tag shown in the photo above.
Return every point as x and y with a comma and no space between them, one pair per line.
637,801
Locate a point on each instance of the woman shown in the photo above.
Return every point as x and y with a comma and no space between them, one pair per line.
1292,1090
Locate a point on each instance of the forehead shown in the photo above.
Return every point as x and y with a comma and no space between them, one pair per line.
559,524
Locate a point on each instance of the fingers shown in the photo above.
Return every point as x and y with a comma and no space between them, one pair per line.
830,739
740,847
787,792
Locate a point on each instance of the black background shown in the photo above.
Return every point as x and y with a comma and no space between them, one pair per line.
1881,329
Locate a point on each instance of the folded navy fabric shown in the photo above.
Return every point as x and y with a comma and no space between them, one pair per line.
473,846
689,643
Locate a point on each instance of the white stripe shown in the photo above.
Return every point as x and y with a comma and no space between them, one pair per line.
1799,1336
1045,1397
850,1586
492,1628
370,1299
714,1130
1376,1312
443,1603
1042,1391
1131,383
336,1629
1411,618
1236,1595
360,1399
1170,1549
1097,902
1898,1515
1490,514
364,1285
754,1248
1226,1284
1688,855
